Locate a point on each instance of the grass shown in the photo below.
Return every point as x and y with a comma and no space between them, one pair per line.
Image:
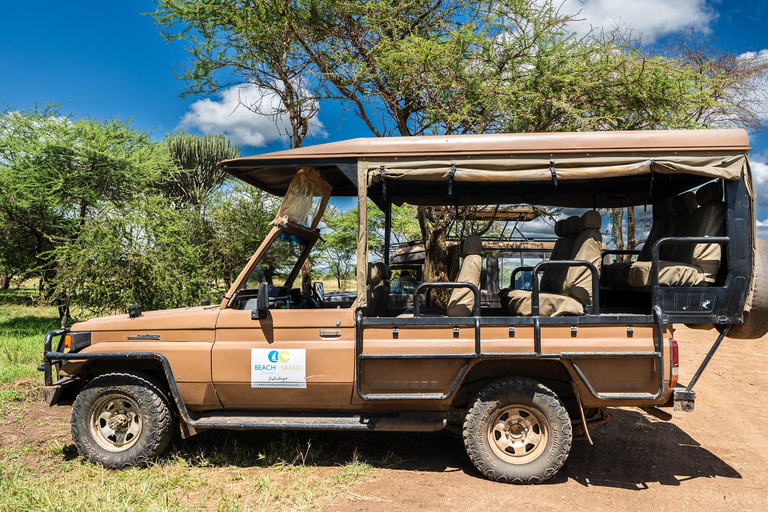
217,470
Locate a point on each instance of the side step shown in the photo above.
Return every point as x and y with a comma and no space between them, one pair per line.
395,422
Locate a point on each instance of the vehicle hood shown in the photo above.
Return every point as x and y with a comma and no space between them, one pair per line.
199,317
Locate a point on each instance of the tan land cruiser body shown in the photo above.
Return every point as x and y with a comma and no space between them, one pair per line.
529,372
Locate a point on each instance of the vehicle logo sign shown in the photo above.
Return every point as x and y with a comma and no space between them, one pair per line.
145,337
278,368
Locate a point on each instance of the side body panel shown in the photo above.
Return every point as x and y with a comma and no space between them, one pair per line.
327,338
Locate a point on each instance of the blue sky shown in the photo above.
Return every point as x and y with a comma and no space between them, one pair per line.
106,59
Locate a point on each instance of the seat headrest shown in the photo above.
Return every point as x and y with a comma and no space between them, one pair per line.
384,271
571,225
709,193
560,228
684,203
592,220
374,274
472,245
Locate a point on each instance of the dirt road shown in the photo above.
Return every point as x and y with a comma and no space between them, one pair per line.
715,458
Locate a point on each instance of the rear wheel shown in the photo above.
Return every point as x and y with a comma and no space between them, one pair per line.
518,431
121,420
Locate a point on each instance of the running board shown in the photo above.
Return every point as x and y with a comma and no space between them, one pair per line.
398,422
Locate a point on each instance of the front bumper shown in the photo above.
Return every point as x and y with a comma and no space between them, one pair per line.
50,367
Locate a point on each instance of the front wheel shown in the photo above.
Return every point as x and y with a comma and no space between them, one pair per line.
517,431
121,420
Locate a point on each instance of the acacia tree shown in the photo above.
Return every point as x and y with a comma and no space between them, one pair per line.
252,43
56,173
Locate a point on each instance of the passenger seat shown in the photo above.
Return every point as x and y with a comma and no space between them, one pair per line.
617,274
688,264
462,301
574,290
377,289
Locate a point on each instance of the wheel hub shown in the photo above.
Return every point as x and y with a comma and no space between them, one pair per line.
518,434
119,422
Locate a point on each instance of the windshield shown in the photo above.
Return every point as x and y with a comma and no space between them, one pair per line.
278,262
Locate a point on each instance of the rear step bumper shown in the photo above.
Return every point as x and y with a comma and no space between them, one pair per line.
684,399
399,422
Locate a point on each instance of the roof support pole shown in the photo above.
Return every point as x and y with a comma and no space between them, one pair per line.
387,230
362,232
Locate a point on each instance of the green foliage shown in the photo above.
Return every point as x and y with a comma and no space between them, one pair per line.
338,247
196,157
57,173
239,217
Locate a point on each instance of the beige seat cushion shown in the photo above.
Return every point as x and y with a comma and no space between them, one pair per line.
462,301
550,304
671,273
709,221
588,247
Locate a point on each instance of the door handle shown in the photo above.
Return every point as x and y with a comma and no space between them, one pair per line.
329,334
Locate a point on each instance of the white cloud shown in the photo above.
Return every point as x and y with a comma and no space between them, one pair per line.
759,165
755,90
230,115
648,19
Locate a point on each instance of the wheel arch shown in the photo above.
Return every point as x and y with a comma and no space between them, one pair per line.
552,373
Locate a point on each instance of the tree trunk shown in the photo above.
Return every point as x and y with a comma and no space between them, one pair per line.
618,231
631,242
440,260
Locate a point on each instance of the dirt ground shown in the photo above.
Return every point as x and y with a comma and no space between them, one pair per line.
714,458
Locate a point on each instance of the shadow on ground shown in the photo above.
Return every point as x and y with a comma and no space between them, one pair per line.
630,452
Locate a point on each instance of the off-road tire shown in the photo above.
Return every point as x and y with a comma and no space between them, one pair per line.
151,403
756,321
530,395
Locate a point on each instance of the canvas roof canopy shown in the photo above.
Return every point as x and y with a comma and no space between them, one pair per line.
590,169
584,169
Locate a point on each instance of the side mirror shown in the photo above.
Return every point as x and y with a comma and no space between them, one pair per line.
319,291
262,302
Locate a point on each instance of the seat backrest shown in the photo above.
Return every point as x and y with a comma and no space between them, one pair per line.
373,279
663,210
708,220
380,294
462,301
586,247
553,278
684,205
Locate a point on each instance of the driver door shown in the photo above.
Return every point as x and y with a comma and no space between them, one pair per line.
293,358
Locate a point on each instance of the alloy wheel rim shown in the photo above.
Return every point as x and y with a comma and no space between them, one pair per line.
517,434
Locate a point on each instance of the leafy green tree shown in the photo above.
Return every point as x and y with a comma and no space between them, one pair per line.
57,172
240,217
337,249
252,41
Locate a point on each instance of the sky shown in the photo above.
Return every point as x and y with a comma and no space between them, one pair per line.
107,59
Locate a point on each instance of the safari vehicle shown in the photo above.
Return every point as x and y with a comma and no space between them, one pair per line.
528,373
